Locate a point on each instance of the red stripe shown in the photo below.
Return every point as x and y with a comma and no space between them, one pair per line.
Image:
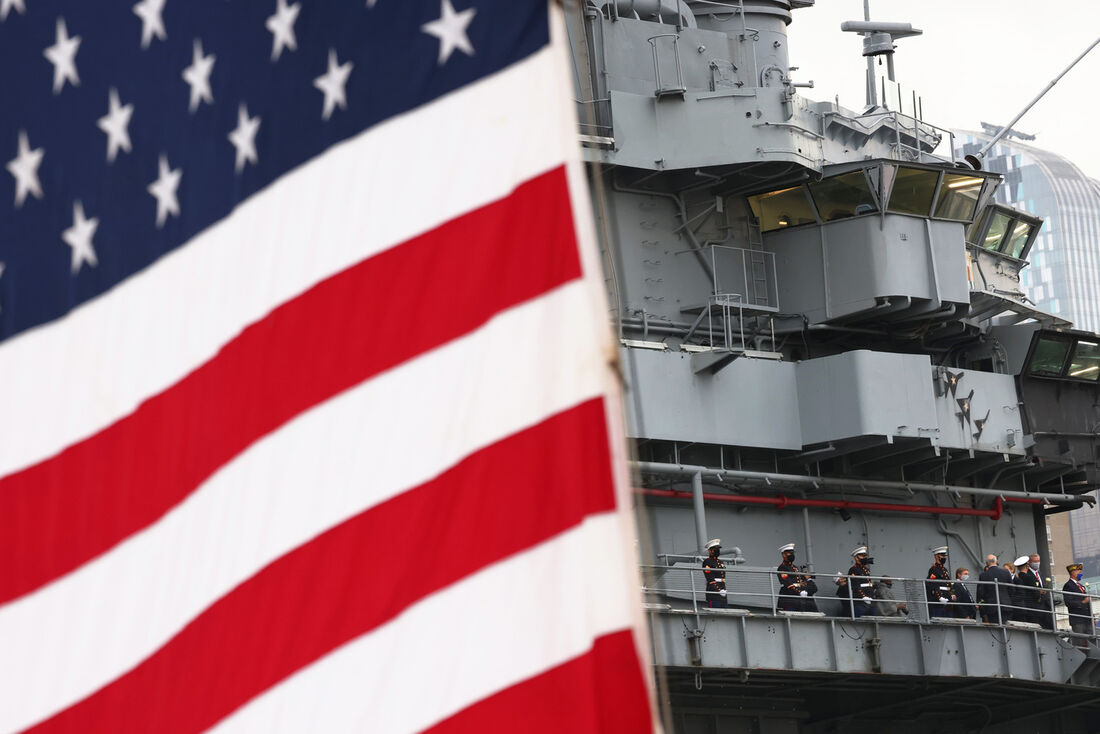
68,509
503,499
601,692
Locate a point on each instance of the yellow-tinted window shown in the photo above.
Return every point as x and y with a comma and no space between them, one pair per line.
913,191
843,196
1018,239
997,228
958,196
1086,361
782,209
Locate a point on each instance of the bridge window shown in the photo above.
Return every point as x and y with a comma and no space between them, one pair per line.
781,209
1085,364
840,197
1017,241
1005,230
913,191
1049,357
998,225
958,197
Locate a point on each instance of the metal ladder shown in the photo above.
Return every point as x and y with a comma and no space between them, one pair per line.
757,264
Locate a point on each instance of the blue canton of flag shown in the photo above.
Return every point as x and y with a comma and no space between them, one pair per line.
127,129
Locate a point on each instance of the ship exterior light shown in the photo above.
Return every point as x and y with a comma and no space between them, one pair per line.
966,182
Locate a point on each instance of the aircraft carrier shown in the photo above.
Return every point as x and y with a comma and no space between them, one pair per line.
825,343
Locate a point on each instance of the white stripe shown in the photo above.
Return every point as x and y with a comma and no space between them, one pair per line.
394,432
478,637
67,380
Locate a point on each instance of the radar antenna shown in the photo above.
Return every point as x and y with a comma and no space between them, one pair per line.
878,40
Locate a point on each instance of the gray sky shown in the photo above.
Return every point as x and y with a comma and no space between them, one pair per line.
977,60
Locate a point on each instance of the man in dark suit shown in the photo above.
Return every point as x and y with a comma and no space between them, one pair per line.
990,594
1077,601
960,595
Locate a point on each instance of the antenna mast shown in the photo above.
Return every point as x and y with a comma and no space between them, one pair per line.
976,160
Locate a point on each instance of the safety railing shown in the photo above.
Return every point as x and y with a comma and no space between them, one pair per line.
745,276
594,120
682,586
665,87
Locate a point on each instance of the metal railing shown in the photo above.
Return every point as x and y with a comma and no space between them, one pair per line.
662,89
904,600
745,276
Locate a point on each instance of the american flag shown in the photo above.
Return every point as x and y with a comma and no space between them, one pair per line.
308,423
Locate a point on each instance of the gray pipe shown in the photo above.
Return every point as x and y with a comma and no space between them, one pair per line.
700,513
806,536
769,477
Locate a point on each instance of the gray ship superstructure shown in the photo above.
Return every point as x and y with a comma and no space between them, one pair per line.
825,342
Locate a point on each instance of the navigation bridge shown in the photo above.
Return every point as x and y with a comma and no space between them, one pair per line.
753,663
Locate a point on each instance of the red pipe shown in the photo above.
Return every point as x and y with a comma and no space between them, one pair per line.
780,501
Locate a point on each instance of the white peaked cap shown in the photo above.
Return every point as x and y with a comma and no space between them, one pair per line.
942,549
787,547
859,550
713,543
1022,561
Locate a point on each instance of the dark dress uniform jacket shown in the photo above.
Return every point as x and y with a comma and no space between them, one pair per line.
791,585
1030,589
859,585
716,581
938,586
1077,602
1032,596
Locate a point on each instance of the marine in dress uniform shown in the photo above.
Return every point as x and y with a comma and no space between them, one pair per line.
1076,598
796,589
937,588
860,586
715,576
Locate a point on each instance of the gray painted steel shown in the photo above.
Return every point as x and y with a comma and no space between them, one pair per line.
871,358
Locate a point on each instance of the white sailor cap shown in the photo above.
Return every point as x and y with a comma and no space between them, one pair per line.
860,551
787,547
1022,561
713,543
941,551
